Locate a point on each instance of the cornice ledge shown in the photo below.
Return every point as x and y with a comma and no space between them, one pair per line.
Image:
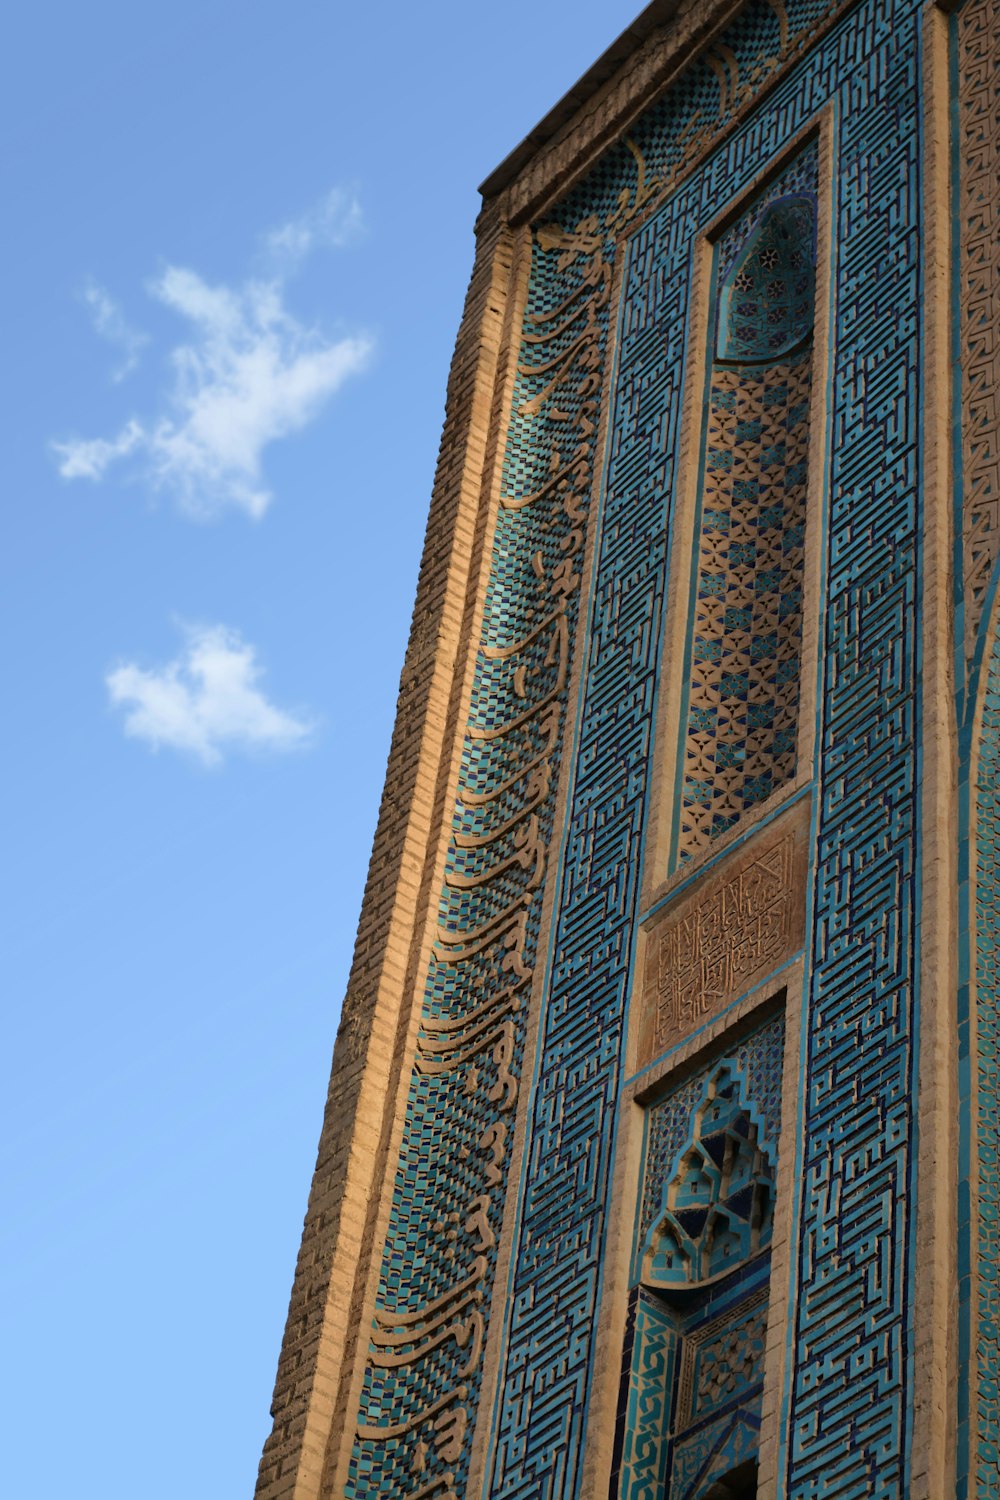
623,82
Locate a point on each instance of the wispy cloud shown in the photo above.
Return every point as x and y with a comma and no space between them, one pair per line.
110,322
249,374
335,221
205,702
88,458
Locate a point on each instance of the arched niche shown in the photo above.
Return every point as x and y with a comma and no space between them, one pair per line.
766,301
718,1206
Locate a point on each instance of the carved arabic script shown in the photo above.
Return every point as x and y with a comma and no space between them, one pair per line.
713,947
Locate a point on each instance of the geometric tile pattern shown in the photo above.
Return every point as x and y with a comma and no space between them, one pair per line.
718,1210
851,1390
849,1393
649,1377
554,1281
862,1039
977,162
729,1359
984,1437
746,648
766,301
433,1311
691,1392
716,1420
757,1061
693,1368
743,691
699,147
704,1457
425,1358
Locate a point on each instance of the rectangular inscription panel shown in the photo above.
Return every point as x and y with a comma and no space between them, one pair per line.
724,934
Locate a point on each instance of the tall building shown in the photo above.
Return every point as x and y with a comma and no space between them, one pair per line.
661,1151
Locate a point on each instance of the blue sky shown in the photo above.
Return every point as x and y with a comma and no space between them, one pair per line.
237,241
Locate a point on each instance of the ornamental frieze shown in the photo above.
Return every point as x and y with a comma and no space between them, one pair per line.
708,947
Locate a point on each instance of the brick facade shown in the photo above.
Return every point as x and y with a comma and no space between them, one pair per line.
558,997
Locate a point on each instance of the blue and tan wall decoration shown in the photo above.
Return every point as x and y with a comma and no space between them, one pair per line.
654,1215
975,145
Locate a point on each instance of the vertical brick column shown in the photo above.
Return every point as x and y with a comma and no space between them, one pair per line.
320,1334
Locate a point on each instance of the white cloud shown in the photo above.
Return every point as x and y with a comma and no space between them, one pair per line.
334,221
249,374
206,701
89,458
109,321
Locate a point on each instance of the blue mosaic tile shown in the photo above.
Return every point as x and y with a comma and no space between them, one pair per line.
848,1394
